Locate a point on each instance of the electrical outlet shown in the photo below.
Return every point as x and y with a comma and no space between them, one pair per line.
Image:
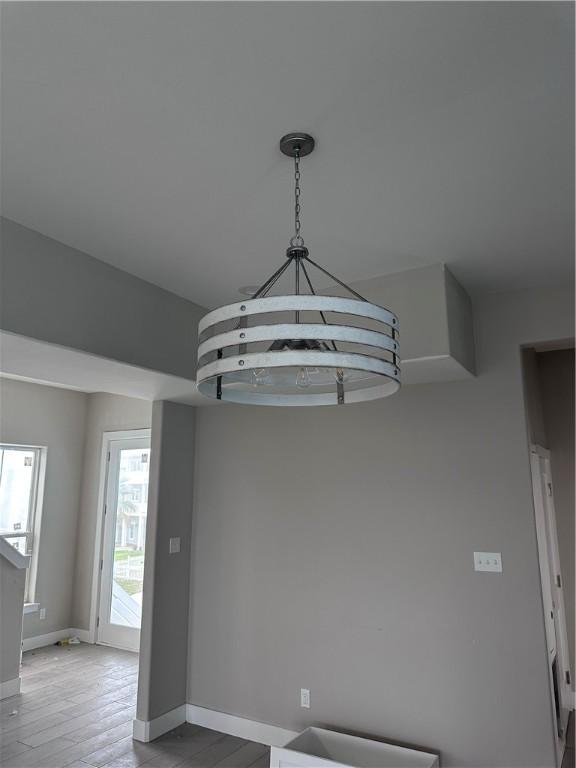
305,698
42,614
174,545
488,561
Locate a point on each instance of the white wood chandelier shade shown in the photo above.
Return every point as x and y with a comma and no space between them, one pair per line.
343,362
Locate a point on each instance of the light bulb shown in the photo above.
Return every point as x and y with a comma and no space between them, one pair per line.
302,378
260,377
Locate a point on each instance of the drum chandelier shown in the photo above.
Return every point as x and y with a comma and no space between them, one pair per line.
299,348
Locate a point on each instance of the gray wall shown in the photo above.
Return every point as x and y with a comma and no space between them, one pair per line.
31,414
401,292
435,316
163,647
333,549
12,582
101,309
105,413
556,373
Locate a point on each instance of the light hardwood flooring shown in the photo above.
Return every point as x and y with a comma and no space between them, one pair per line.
76,709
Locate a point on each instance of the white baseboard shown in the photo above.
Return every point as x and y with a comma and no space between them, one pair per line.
39,641
148,730
9,688
253,730
82,634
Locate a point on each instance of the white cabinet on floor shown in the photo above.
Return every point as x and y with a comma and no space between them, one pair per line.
319,748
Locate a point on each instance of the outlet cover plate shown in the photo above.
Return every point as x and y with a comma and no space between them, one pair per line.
488,561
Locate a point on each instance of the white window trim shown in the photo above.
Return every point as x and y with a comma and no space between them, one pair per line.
32,591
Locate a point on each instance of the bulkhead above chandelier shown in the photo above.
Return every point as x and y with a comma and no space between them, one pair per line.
298,348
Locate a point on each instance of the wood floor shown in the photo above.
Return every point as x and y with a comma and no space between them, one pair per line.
76,709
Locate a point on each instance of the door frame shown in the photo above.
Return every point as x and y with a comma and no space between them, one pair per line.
552,590
107,438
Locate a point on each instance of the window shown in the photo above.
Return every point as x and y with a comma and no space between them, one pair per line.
133,464
134,493
132,530
19,473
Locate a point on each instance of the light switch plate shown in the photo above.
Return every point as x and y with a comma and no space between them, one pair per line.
174,545
305,698
488,561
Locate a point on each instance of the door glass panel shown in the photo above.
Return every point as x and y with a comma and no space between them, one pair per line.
130,534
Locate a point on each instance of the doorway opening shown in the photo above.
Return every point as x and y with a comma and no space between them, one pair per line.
552,592
64,461
549,396
122,545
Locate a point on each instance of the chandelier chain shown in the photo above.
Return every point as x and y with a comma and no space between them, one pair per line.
297,239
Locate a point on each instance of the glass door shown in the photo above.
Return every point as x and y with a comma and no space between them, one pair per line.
122,566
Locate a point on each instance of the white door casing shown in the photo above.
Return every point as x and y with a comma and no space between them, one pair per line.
552,594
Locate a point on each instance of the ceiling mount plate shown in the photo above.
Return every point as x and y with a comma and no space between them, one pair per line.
292,143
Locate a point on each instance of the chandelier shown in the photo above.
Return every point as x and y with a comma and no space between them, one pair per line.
298,348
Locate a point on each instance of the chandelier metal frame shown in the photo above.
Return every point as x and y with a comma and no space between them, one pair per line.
233,353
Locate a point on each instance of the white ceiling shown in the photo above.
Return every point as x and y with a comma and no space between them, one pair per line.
146,135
